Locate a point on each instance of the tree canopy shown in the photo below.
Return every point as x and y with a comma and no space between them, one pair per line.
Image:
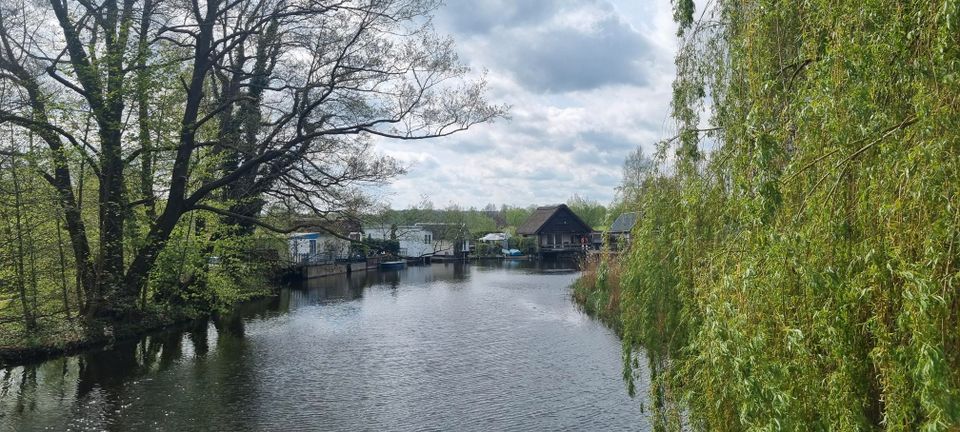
592,212
137,113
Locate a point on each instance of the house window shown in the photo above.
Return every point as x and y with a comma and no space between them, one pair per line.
427,239
313,247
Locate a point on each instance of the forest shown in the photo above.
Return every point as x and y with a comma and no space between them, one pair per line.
795,265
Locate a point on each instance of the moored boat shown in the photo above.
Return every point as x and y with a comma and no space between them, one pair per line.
392,265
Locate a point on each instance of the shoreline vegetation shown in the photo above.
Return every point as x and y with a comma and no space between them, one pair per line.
796,260
58,337
794,265
597,291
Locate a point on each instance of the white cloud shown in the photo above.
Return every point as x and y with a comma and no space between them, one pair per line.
588,81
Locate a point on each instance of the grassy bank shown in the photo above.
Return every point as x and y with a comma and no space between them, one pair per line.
597,291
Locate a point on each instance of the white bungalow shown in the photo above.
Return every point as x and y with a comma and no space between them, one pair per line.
415,242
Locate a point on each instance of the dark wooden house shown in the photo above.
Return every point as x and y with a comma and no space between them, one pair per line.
557,229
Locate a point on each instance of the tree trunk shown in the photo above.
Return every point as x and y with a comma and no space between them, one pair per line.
143,113
114,301
136,277
63,271
68,203
29,321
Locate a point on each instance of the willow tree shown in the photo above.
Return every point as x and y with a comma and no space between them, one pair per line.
223,103
797,263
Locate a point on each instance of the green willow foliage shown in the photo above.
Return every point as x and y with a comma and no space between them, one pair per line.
796,267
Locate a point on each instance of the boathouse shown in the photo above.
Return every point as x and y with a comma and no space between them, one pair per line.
557,229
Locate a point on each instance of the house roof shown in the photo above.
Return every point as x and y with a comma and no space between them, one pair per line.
542,215
495,237
624,222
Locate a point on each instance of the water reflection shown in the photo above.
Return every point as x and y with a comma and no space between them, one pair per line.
438,347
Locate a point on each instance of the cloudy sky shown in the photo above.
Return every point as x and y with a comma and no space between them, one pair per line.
588,81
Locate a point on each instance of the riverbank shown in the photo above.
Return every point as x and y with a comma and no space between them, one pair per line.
597,291
56,336
66,337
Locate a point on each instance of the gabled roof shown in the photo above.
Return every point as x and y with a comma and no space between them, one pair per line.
624,222
542,215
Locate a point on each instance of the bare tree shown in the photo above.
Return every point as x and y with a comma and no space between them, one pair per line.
636,168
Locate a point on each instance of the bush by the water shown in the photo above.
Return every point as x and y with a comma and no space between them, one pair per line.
598,290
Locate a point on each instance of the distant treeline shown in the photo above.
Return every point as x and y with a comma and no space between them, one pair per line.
488,219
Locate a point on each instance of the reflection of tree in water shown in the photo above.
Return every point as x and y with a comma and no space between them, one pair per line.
34,388
331,288
357,284
558,264
198,335
264,307
171,348
27,396
391,279
460,272
93,387
230,327
109,369
229,379
100,388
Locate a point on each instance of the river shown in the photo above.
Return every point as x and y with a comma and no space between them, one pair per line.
445,347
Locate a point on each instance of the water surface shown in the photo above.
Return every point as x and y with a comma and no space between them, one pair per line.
447,347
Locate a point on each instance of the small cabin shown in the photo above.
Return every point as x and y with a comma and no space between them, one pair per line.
425,239
556,229
620,230
449,239
414,241
323,242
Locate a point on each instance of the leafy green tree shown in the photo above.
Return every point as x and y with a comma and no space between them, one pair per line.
795,265
227,106
515,216
592,212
